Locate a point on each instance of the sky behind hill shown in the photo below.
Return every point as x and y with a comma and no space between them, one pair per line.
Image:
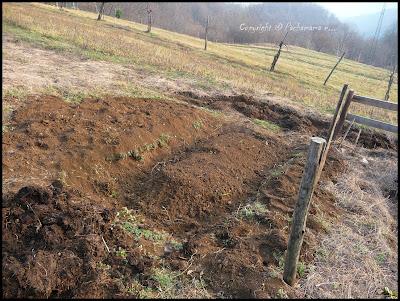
362,16
344,10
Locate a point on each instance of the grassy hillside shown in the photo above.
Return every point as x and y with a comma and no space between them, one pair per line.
244,68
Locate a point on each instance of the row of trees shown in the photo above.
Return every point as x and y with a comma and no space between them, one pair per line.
234,23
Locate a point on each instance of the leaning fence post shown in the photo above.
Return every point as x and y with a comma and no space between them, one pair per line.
334,67
343,114
332,129
301,209
338,106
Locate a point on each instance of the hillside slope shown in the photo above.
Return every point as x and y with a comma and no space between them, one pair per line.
138,165
223,67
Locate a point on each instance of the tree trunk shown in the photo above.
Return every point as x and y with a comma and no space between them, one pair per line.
110,10
148,17
101,11
205,36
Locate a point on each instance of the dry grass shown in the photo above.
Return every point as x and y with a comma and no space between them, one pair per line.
358,257
243,68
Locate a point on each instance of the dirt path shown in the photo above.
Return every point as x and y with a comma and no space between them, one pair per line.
39,70
36,69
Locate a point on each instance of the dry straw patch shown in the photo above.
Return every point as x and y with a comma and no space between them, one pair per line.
358,257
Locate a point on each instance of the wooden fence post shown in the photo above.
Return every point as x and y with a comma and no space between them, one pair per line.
301,209
344,89
334,67
343,114
332,128
276,57
390,83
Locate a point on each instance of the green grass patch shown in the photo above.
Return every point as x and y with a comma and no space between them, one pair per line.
253,210
214,113
121,252
281,294
142,292
103,266
301,269
390,293
114,194
15,92
381,258
325,224
197,124
6,128
277,172
33,37
164,278
137,154
297,154
279,257
6,115
71,96
267,125
130,223
176,245
56,43
163,140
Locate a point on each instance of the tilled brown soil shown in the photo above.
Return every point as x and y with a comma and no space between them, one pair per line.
64,189
287,118
52,138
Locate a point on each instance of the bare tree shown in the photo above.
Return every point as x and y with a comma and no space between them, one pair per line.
149,11
205,36
189,18
322,41
110,10
343,35
101,11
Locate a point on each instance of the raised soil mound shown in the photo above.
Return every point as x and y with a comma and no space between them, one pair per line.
223,192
